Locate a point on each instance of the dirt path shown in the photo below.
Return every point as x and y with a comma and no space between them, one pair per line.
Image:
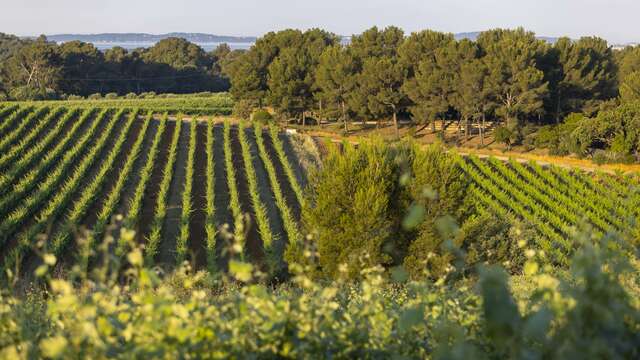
198,219
542,159
253,245
167,249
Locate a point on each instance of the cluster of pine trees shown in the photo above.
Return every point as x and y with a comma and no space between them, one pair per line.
508,76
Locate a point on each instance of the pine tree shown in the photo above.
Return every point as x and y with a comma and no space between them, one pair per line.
335,79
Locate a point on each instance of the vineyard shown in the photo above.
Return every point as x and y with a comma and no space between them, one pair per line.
176,181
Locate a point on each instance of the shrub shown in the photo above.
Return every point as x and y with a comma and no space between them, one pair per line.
75,97
28,93
357,210
262,116
147,95
490,238
438,185
111,96
502,135
96,96
131,95
352,214
242,109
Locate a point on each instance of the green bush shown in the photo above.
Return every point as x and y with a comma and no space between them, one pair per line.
357,214
111,96
28,93
242,109
262,116
131,95
503,135
96,96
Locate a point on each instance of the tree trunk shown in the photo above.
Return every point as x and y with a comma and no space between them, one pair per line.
395,123
344,118
304,118
321,114
482,130
466,129
433,126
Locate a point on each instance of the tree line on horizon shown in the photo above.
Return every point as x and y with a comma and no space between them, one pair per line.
37,69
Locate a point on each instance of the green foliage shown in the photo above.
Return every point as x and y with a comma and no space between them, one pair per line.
356,213
350,213
262,117
589,312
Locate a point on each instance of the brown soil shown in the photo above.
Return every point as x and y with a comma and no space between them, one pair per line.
198,219
287,191
472,146
253,246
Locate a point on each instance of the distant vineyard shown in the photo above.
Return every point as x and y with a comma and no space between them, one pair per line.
176,181
216,104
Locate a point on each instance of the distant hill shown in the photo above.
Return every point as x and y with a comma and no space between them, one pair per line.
149,38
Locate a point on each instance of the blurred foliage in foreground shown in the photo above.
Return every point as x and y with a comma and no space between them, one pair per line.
589,311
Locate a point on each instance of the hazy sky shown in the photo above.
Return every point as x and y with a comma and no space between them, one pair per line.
615,20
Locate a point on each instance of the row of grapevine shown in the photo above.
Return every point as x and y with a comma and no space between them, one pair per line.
26,142
45,159
260,211
288,169
18,132
14,117
63,195
290,225
5,111
36,152
135,204
45,188
155,234
234,202
183,238
210,226
92,190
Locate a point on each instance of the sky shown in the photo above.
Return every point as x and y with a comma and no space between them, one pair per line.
614,20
